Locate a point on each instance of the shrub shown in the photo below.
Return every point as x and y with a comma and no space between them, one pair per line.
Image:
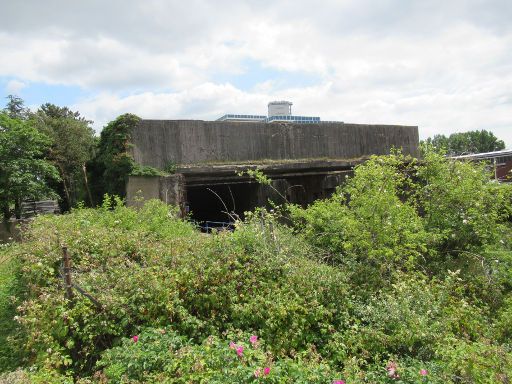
9,291
161,356
401,214
368,286
413,319
370,226
148,268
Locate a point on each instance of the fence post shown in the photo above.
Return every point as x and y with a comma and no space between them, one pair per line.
274,237
67,273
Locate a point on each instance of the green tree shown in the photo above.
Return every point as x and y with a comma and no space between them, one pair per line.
15,108
113,163
72,147
464,143
24,172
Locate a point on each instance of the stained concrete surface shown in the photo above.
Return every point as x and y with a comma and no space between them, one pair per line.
160,143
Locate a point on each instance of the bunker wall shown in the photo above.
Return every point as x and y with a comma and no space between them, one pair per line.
159,143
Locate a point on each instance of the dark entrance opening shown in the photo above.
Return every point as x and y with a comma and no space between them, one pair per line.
217,205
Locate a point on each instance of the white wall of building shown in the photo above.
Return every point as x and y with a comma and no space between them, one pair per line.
279,108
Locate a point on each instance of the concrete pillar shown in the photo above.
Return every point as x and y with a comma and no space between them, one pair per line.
169,189
273,192
173,191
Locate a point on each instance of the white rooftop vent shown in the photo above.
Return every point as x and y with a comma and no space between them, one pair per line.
279,108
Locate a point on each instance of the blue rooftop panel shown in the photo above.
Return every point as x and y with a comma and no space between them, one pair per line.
269,119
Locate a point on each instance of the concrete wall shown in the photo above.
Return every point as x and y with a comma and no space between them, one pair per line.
169,189
141,188
160,142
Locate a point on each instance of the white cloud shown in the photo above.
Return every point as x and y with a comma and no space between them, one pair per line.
433,113
206,101
14,87
445,66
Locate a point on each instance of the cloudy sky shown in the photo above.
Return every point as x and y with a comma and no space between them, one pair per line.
445,66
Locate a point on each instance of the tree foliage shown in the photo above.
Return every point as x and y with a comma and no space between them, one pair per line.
113,163
397,212
467,142
72,147
24,172
15,108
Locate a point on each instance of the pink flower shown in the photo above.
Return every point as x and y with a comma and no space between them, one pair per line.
135,338
232,345
266,371
338,382
392,368
423,372
253,339
240,351
257,373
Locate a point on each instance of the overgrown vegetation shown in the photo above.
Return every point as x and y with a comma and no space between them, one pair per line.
72,147
9,288
54,153
404,276
44,155
24,171
113,163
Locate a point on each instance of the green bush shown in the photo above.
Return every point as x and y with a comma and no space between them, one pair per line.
376,284
476,362
9,291
411,319
402,214
371,225
148,268
162,356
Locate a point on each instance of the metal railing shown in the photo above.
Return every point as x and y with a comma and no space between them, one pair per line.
208,226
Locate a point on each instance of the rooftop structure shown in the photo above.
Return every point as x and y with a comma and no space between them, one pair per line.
280,108
505,154
278,111
244,118
271,119
500,161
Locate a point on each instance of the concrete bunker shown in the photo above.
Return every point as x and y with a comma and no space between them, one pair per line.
221,203
304,161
